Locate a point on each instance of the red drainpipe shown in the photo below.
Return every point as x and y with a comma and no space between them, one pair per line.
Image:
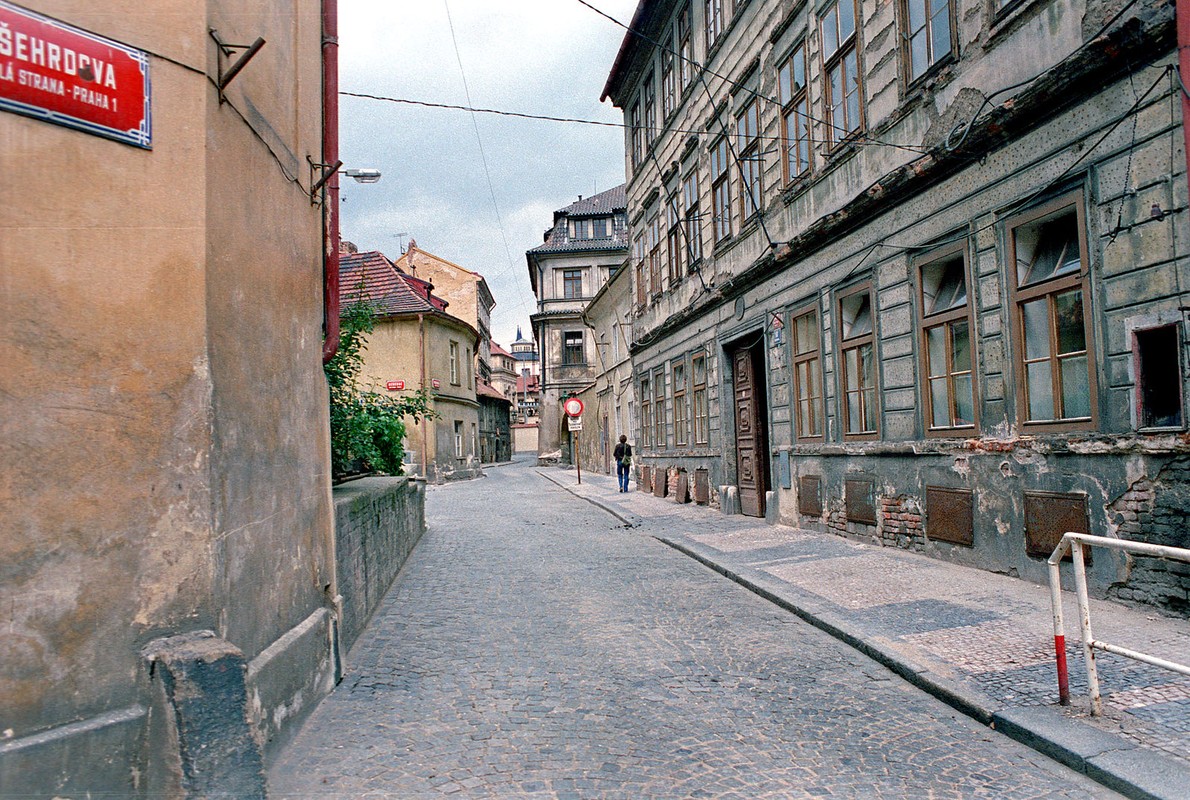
330,155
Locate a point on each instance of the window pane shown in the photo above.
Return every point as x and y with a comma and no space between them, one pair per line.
799,69
852,70
806,333
784,83
867,366
963,401
854,423
830,33
1047,249
936,350
1040,391
851,367
1068,308
856,311
960,347
1076,389
940,30
939,403
869,409
846,19
917,15
1036,319
919,55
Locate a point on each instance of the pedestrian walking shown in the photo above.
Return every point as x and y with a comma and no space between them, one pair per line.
623,456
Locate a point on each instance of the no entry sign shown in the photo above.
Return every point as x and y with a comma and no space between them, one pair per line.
573,407
67,76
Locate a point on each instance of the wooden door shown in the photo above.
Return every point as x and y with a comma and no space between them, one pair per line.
751,460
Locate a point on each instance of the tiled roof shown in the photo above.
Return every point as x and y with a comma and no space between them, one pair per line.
485,390
613,202
497,350
374,278
615,199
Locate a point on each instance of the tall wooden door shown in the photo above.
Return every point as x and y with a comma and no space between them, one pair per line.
750,447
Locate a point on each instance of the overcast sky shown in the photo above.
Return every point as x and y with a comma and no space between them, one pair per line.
547,57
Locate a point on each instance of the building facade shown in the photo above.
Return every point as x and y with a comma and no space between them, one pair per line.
416,344
587,242
166,437
913,272
464,290
608,401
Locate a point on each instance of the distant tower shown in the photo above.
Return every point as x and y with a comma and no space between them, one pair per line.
525,352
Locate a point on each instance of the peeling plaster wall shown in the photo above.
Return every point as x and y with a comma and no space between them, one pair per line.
867,209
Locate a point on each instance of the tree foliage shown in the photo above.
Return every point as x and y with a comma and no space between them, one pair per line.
367,428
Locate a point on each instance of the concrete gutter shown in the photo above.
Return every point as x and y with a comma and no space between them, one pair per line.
628,520
1115,762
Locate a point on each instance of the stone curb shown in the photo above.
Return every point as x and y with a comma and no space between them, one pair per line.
1110,760
629,520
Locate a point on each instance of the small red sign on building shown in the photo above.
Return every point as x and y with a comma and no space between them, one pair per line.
395,386
67,76
437,384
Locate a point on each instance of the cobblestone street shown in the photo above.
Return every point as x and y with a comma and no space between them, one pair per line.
549,652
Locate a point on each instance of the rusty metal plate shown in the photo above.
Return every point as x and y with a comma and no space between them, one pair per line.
860,501
683,492
809,495
950,515
1048,515
660,483
702,486
646,483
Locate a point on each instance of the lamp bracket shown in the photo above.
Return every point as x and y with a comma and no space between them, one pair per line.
319,175
228,71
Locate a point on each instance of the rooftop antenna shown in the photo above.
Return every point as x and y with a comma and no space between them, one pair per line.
400,237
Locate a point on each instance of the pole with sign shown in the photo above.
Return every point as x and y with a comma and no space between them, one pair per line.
574,423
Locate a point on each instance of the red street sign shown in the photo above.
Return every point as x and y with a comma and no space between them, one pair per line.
395,386
67,76
573,407
434,382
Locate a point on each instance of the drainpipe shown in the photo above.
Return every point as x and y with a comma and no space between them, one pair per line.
330,281
425,435
1183,16
330,155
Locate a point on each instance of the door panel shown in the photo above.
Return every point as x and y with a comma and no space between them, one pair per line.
750,447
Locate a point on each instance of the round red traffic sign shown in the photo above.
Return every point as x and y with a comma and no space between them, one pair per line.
573,407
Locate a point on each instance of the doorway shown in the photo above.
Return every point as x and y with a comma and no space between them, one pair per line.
751,427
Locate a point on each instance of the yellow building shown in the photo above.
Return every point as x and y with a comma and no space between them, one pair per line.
165,443
416,343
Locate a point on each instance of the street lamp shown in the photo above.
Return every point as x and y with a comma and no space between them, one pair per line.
363,175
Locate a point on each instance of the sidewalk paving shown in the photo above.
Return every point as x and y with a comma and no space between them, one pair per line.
981,641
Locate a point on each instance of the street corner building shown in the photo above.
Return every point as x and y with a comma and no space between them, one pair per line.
913,272
418,344
167,551
586,244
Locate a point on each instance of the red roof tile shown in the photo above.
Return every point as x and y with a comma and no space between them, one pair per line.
374,278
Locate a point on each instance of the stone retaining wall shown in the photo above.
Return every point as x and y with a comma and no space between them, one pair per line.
377,523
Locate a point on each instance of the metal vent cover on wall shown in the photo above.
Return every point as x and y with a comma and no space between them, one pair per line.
860,501
1048,515
809,495
950,515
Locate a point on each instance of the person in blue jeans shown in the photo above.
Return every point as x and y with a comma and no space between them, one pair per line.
623,456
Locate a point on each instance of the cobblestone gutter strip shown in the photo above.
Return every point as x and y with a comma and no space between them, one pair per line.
1115,762
629,519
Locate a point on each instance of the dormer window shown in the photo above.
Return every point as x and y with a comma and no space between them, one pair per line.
589,228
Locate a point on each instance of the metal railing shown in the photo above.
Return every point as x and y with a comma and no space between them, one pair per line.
1074,542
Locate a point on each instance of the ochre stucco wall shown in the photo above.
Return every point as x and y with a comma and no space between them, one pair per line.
163,430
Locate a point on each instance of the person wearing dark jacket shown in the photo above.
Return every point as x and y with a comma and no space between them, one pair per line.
623,456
